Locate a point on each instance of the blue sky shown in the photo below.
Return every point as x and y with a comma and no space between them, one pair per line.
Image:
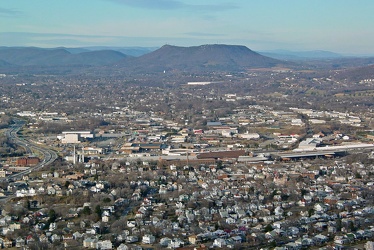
343,26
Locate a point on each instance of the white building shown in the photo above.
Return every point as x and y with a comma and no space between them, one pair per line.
249,136
75,136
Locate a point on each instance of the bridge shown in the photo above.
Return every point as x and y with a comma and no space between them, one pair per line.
322,151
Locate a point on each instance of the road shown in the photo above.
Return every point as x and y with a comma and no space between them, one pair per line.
49,156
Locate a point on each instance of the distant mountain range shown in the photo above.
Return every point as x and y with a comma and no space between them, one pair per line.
167,58
300,55
30,56
204,58
130,51
216,57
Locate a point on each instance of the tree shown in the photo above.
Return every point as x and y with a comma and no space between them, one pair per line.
310,212
86,210
338,225
98,211
52,216
268,228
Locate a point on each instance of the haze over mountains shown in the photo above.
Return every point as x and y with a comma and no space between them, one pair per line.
204,58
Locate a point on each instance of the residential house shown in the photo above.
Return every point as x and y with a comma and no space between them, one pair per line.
55,238
7,243
132,239
219,242
90,242
293,246
20,242
164,242
320,239
148,239
104,245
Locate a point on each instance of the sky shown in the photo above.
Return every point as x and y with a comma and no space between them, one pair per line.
341,26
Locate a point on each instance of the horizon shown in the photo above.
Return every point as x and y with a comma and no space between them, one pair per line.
261,26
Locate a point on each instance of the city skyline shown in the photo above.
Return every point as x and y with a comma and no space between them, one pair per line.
338,26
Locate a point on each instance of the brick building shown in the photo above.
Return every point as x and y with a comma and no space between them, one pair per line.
26,161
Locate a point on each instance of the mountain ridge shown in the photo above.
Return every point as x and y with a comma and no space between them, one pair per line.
301,55
33,56
209,57
168,58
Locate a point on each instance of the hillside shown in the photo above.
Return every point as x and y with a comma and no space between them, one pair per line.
4,63
356,74
131,51
199,58
300,55
30,56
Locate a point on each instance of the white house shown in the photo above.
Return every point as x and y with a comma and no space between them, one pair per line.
104,245
219,242
148,239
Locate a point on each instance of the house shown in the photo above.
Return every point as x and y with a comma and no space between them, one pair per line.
320,239
236,239
43,238
20,242
51,191
219,242
15,226
55,238
220,233
77,235
132,239
70,224
305,242
90,243
341,240
131,223
293,246
270,235
66,237
175,243
278,211
293,231
230,221
123,247
148,239
7,243
72,244
164,242
104,245
193,239
52,226
105,218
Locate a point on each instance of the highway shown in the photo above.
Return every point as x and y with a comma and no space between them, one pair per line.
49,156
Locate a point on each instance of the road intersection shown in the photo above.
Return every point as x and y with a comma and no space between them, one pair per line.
48,156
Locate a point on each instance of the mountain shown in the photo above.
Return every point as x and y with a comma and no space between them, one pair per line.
300,55
356,74
78,50
31,56
101,57
4,63
216,57
131,51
